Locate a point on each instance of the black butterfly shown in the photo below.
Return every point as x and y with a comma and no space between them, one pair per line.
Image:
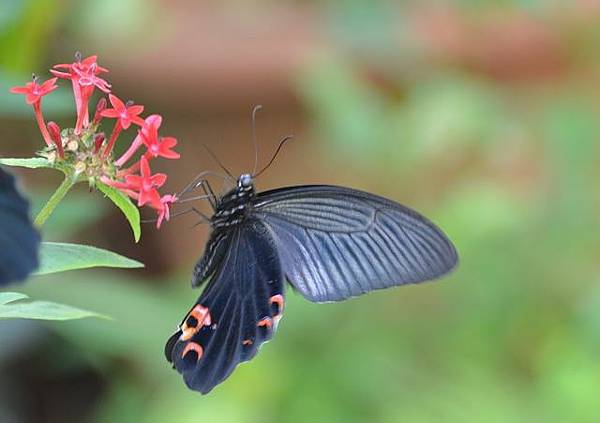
19,241
330,243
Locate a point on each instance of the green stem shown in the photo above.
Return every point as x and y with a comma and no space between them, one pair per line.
56,198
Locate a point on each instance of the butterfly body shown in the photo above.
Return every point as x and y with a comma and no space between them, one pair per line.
233,206
330,243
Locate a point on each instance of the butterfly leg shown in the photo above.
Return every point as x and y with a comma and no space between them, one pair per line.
200,181
209,193
205,218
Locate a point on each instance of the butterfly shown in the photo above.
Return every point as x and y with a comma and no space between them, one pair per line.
19,240
331,243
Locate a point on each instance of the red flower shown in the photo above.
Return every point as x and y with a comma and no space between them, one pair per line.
33,95
157,146
85,72
83,76
145,184
34,92
152,120
164,213
126,114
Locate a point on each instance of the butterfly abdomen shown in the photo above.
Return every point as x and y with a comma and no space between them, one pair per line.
232,209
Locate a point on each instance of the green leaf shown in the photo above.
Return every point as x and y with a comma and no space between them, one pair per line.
59,257
123,202
9,297
12,307
31,163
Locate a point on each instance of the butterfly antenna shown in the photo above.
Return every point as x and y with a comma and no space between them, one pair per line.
254,141
279,147
218,161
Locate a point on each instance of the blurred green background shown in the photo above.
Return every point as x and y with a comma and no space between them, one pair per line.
484,115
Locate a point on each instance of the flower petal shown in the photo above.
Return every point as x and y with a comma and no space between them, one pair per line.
19,90
168,142
90,60
116,102
134,181
145,168
137,120
154,120
150,196
49,85
169,154
158,180
110,113
135,109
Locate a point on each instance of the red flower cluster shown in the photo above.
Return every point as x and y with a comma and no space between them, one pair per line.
86,152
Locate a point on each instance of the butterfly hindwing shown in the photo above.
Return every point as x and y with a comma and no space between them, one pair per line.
238,310
335,242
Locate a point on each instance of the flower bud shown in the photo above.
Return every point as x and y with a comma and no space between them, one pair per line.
98,140
72,145
54,131
100,106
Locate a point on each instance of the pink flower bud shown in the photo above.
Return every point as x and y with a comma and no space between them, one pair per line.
54,131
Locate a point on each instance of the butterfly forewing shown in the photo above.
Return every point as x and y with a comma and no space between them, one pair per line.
237,312
335,242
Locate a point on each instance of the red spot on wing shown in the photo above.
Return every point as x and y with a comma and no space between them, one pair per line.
247,342
277,299
202,316
193,346
266,322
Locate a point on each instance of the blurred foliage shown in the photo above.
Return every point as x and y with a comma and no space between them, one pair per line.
14,305
78,210
506,165
58,257
25,32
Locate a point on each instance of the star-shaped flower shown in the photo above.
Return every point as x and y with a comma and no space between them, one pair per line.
145,184
34,91
157,146
84,72
125,113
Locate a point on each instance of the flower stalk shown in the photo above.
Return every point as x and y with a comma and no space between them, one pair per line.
54,200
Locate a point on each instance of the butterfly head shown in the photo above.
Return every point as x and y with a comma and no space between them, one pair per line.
245,181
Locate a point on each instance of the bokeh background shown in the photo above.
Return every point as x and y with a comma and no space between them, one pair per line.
482,114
